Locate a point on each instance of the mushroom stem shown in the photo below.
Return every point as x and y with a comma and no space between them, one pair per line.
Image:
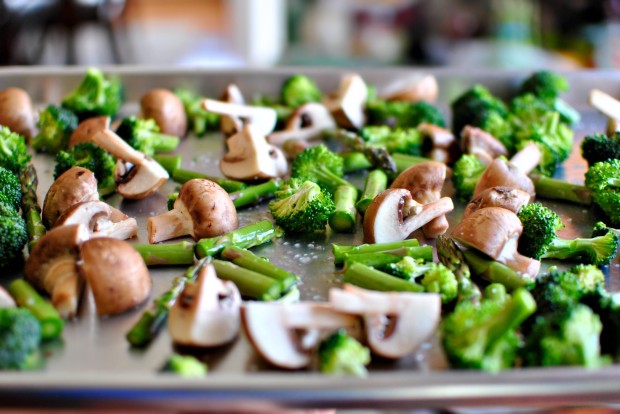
182,176
169,225
605,103
254,194
495,272
428,212
26,296
251,284
376,182
166,254
116,146
169,162
65,286
368,278
341,252
555,189
244,237
380,259
343,219
249,260
527,158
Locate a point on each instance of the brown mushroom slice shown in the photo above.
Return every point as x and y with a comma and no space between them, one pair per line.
495,231
439,144
116,275
166,109
501,173
412,88
425,181
393,215
261,118
305,123
505,197
250,157
347,104
285,333
101,219
207,312
17,112
137,176
396,323
87,128
52,266
527,158
203,209
483,145
6,300
74,186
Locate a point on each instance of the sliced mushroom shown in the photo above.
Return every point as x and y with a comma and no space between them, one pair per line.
87,128
613,126
425,181
116,274
16,111
294,329
348,102
396,323
230,125
393,215
251,158
6,300
412,89
505,197
483,145
52,266
101,219
527,158
207,312
305,123
495,231
137,176
501,173
439,143
605,103
261,118
166,109
74,186
202,209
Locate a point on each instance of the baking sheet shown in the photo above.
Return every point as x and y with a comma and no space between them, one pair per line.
95,366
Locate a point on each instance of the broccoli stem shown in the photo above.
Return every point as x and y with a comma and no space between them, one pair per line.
561,190
343,219
27,297
244,237
250,261
340,251
516,310
381,259
495,272
30,205
368,278
251,284
161,142
182,176
404,161
166,254
153,319
579,248
376,182
377,156
330,180
170,162
255,194
355,161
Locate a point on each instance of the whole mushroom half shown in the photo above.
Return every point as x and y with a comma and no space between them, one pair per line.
116,274
101,220
207,312
396,323
412,88
505,197
87,128
202,209
166,109
76,185
251,158
347,104
495,231
393,215
261,118
305,123
501,173
16,111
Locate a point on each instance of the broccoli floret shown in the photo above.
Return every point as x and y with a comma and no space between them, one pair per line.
93,158
298,90
589,277
408,268
548,86
607,307
20,336
144,135
340,354
540,241
406,141
95,95
13,150
485,336
11,193
599,147
55,127
603,179
13,236
186,366
601,229
440,279
302,208
199,119
466,173
320,165
399,114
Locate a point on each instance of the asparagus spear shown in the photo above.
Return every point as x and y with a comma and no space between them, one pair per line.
166,254
341,251
250,261
170,162
354,161
451,257
182,176
49,319
381,259
30,206
343,219
254,194
379,157
250,284
244,237
368,278
376,182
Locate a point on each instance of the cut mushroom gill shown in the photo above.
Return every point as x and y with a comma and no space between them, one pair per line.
505,197
305,123
348,102
101,219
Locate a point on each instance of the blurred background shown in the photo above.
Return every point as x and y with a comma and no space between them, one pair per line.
559,34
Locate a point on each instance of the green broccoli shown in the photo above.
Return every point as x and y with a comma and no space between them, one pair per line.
199,119
607,307
20,336
599,147
55,127
406,141
440,279
603,179
13,236
302,207
548,86
11,193
465,175
91,157
403,114
484,336
144,135
186,366
298,90
95,95
601,229
13,150
451,256
408,268
320,165
340,354
540,241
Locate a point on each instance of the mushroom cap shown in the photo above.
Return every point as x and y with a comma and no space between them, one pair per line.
347,104
505,197
501,173
116,275
74,186
16,111
166,109
412,89
101,219
87,128
475,140
424,181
